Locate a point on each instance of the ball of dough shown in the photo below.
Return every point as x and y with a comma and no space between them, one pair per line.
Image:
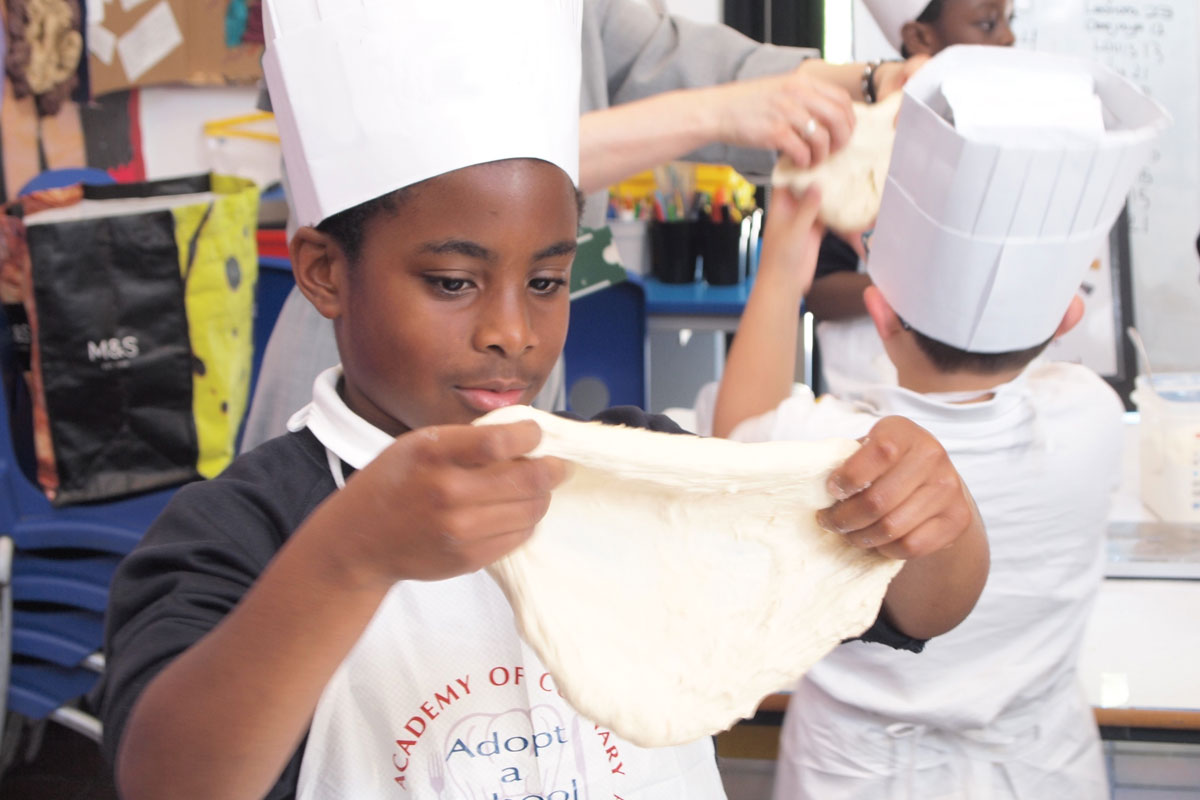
852,179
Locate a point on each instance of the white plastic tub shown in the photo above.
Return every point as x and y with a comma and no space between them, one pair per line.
1170,444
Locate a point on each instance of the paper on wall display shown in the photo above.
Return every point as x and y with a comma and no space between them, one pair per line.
149,41
154,42
95,12
102,43
990,220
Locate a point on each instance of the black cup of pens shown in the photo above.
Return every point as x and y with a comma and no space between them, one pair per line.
721,250
673,251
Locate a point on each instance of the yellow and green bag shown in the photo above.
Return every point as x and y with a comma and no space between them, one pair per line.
140,300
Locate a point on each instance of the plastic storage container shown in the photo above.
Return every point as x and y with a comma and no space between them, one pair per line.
1169,436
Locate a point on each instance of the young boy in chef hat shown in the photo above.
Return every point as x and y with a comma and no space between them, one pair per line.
926,27
850,352
291,629
987,226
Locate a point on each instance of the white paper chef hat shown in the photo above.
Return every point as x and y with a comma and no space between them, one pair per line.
374,95
890,16
989,223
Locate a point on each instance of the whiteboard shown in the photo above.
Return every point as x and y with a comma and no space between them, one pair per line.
1154,45
1157,46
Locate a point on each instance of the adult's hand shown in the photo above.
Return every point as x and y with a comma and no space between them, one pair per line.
800,116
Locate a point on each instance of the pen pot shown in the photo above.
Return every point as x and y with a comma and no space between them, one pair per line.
722,251
632,239
673,251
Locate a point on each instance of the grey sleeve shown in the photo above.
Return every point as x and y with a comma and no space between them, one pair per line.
637,53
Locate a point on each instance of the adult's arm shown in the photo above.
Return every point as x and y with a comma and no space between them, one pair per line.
630,52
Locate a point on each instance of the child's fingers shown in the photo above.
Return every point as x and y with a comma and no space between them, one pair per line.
793,212
506,481
888,441
917,526
809,207
475,526
930,536
478,445
895,460
493,548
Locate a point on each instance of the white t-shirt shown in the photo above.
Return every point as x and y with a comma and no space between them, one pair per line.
1042,459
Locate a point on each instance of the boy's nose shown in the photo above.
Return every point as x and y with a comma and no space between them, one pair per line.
505,326
1007,37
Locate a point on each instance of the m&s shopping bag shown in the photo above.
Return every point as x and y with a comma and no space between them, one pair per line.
140,303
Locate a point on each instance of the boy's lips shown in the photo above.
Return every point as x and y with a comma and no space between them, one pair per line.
491,397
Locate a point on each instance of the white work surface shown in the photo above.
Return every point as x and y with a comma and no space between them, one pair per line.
1143,645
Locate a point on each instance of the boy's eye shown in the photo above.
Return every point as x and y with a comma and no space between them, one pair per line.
547,285
448,285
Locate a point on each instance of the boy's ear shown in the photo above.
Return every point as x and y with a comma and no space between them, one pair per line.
885,319
919,39
319,267
1071,318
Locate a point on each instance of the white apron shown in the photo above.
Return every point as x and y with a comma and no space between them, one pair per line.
441,699
1048,750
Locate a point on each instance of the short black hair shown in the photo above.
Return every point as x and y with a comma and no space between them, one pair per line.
348,227
931,14
948,359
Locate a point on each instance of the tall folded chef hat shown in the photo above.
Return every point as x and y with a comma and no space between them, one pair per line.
890,16
374,95
1008,172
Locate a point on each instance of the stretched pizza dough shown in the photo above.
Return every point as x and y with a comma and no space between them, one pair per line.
851,180
676,581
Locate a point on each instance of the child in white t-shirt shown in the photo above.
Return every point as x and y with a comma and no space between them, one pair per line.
993,708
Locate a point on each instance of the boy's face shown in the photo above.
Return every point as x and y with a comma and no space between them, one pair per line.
458,302
966,22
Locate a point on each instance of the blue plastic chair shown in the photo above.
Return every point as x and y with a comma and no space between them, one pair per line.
79,582
66,637
39,690
605,352
275,282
